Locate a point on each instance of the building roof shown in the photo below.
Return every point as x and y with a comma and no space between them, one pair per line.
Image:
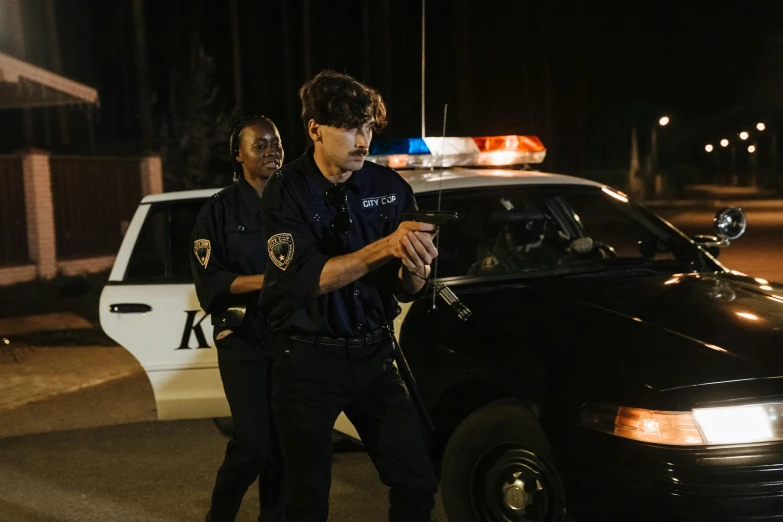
23,85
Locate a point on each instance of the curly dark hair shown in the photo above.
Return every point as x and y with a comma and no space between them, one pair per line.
339,100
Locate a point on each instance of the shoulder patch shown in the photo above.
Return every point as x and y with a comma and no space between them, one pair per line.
202,248
489,262
281,250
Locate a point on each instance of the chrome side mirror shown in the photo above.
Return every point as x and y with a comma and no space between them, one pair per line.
730,223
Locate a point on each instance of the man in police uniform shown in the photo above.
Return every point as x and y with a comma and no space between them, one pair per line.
339,255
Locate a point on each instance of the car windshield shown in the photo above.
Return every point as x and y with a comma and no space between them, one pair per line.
557,229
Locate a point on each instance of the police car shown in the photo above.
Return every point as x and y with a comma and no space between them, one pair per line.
610,367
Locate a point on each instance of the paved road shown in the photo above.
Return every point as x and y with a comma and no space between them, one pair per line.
145,472
138,471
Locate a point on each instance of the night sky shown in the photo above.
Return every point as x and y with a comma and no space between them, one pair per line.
578,74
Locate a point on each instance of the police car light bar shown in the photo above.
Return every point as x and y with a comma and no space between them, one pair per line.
457,152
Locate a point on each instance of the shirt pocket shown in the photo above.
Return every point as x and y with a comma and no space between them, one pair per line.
319,219
379,221
245,247
318,216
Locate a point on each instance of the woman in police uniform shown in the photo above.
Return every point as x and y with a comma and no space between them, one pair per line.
228,262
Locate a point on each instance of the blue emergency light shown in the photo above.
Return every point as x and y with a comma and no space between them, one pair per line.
399,146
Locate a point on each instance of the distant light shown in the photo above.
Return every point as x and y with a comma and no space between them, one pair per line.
743,135
761,281
724,142
709,147
752,149
746,315
664,121
760,126
766,287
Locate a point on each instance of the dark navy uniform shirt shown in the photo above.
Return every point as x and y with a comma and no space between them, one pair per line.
300,239
227,243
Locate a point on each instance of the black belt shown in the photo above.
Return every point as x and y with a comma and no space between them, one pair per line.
371,338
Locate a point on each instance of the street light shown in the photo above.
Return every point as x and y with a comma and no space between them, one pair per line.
708,147
752,149
664,121
743,135
760,126
724,142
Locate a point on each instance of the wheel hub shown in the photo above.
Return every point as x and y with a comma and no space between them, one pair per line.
514,487
514,494
519,495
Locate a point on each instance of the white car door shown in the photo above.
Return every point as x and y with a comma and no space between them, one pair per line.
149,306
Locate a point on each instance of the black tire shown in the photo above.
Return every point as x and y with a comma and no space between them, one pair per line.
225,425
498,467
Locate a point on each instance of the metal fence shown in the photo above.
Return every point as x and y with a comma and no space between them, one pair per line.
94,200
13,217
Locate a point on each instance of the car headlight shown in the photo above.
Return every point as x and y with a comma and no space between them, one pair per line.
723,425
737,424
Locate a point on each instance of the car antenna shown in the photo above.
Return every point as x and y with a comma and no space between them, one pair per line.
440,193
462,311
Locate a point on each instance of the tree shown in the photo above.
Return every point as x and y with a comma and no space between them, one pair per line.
194,131
144,95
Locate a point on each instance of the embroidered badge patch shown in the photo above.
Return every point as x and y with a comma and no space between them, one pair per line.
490,262
202,248
281,250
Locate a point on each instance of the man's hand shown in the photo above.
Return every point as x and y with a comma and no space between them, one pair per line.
414,250
412,243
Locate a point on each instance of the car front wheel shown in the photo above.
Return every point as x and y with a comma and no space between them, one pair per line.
497,467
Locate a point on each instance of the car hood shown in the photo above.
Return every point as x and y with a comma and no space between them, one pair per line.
682,330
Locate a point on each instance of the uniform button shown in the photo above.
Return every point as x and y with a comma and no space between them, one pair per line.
383,216
241,228
356,292
360,327
316,217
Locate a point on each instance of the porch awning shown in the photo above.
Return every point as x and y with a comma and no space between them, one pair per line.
24,85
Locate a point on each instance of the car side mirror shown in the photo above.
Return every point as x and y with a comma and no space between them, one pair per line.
730,223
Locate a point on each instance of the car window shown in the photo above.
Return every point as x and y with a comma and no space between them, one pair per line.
504,230
162,250
610,225
182,219
484,242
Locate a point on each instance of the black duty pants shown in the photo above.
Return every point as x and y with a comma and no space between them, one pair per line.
254,450
313,383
